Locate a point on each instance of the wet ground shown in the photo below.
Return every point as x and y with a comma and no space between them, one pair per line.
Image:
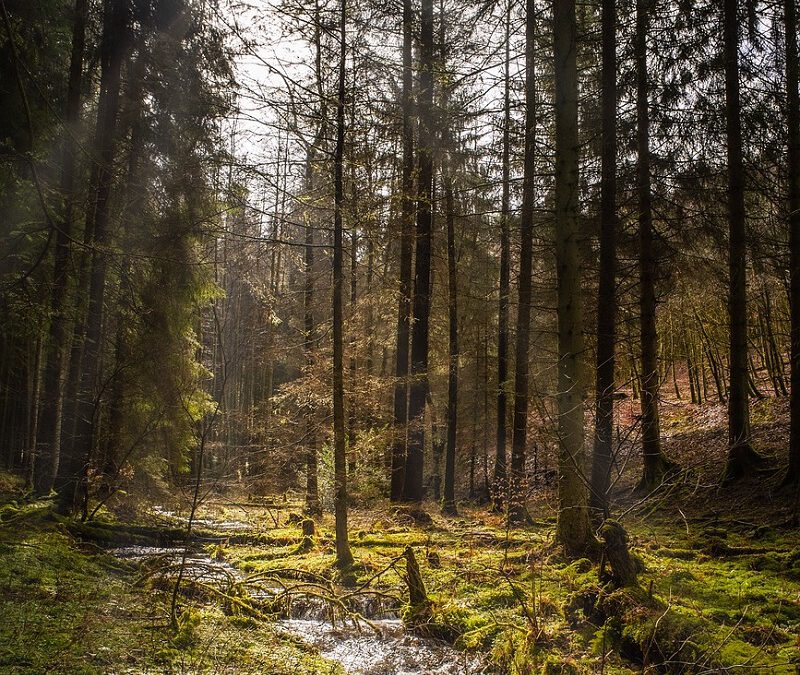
378,646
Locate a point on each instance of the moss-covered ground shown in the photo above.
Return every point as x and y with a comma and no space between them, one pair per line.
719,591
66,606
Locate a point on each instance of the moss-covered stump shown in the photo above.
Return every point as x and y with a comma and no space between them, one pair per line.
309,532
615,547
419,611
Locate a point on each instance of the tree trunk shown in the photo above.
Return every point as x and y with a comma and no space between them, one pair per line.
572,531
655,465
499,487
413,485
351,404
606,298
793,142
48,442
344,558
449,506
313,506
517,511
741,455
405,289
114,47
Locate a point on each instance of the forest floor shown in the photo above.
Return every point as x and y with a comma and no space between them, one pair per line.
719,587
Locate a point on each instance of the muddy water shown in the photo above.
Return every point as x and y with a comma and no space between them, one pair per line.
382,648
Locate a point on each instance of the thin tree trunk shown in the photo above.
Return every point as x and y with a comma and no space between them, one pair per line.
449,506
655,464
499,487
602,457
114,47
741,455
793,159
48,442
344,558
517,511
313,506
405,289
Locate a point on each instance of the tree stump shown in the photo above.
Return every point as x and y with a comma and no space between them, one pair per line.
615,546
309,530
419,604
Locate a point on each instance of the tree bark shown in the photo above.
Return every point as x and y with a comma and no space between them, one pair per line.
499,488
741,455
793,142
517,511
344,558
572,531
418,391
313,506
606,296
655,464
405,288
114,48
449,506
48,442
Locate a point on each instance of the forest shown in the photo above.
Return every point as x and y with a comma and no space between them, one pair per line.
386,337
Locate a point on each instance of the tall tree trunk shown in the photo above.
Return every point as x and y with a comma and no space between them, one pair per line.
313,506
573,530
741,455
655,465
793,134
312,502
418,391
517,511
114,48
48,442
351,404
344,558
449,505
134,192
405,288
602,457
499,488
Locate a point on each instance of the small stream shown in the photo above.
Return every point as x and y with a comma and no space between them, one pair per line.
383,649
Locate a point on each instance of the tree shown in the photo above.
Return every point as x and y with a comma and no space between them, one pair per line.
573,531
602,456
499,488
741,455
398,457
48,442
517,511
344,558
114,48
655,464
413,490
449,506
793,161
313,505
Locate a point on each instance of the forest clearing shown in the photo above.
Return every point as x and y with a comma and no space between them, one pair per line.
399,337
